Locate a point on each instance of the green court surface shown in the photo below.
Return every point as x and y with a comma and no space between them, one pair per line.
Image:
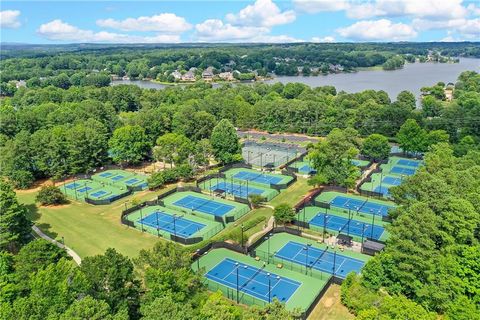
403,167
309,213
362,206
270,250
381,183
207,207
237,188
122,179
93,190
159,221
257,177
303,167
301,298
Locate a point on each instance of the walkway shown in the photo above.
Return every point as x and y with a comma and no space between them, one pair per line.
70,252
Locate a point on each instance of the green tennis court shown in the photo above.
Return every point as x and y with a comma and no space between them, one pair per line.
122,179
207,207
94,191
162,221
241,189
381,183
297,290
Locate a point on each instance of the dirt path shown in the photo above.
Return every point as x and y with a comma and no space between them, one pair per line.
70,252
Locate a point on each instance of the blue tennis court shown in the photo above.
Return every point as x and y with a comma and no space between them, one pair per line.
343,225
73,185
84,189
257,177
383,190
307,169
319,259
253,281
204,205
236,189
98,194
403,171
408,163
105,174
164,221
360,206
394,181
131,181
119,177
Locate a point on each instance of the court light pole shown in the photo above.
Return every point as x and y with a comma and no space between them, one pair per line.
269,286
373,224
236,265
242,235
324,225
141,219
158,224
174,225
363,231
198,259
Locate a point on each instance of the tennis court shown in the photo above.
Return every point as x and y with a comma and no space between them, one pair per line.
95,192
408,163
402,171
122,179
394,181
176,225
320,259
239,188
253,281
257,177
269,154
236,189
303,167
296,290
346,226
204,205
360,205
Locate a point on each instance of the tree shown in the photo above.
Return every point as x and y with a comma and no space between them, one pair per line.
129,145
225,143
14,224
407,98
110,277
50,195
411,137
283,213
464,145
437,136
331,158
167,308
174,148
87,308
219,308
376,147
431,107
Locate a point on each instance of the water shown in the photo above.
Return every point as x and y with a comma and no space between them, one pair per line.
412,78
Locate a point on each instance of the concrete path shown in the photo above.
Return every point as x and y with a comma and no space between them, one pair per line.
268,227
70,252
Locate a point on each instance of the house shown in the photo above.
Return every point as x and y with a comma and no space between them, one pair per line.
335,67
207,74
176,75
189,76
227,76
20,84
126,78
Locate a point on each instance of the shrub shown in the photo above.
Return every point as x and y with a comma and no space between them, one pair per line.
284,213
50,195
256,200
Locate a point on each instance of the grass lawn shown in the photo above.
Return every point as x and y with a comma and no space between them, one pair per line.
330,308
89,229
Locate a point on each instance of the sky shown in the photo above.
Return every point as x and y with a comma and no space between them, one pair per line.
239,21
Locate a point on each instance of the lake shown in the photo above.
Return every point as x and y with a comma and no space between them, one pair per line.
412,77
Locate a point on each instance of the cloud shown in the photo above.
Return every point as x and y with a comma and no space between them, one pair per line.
165,23
378,30
263,13
315,6
9,19
58,30
431,9
467,27
217,30
327,39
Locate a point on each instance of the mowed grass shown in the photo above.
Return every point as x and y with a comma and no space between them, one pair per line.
330,307
89,229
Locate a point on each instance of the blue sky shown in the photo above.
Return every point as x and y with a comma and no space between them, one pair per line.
239,21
